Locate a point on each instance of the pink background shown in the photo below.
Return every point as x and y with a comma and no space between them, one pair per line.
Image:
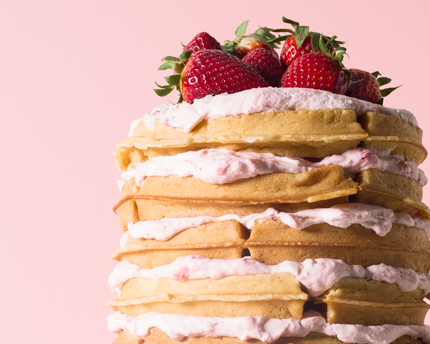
73,74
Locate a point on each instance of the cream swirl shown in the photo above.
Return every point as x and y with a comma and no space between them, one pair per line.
267,330
376,218
317,275
220,166
186,116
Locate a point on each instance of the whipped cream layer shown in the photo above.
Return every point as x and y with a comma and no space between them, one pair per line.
267,330
376,218
186,116
317,275
220,166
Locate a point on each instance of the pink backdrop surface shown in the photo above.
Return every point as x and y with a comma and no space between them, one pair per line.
74,74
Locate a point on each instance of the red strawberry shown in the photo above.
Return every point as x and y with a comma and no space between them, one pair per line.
266,64
202,41
366,86
301,41
290,52
211,72
316,70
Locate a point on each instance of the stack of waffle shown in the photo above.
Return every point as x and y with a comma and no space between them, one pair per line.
272,216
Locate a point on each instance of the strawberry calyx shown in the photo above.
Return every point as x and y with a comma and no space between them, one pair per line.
337,54
300,33
382,81
242,44
173,81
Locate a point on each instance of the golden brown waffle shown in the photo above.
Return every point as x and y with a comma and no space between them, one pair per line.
272,242
394,134
316,185
329,182
304,133
141,209
301,133
272,296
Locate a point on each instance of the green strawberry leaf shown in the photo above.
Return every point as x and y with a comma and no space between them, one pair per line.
185,55
292,22
279,39
262,31
164,86
240,31
301,34
387,91
228,47
339,57
376,74
173,79
383,81
315,38
168,65
279,30
163,92
330,41
170,58
323,47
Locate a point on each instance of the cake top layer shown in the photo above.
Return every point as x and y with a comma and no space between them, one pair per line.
185,116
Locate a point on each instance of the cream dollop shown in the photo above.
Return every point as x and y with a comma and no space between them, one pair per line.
317,275
220,166
178,326
186,116
376,218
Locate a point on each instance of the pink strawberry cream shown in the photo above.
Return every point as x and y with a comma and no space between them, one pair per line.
378,219
267,330
317,275
220,166
186,116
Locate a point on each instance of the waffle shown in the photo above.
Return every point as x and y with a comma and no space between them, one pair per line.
302,133
298,133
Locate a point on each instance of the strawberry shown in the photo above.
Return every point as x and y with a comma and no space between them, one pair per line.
366,86
266,64
301,41
249,43
209,72
202,41
243,44
316,70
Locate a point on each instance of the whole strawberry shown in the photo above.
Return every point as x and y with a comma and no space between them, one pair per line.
300,41
366,86
267,64
250,43
202,41
212,72
316,70
243,44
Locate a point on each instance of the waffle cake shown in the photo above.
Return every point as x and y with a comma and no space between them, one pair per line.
272,215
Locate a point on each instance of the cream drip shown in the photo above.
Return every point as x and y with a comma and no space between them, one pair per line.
186,116
220,166
378,219
317,275
267,330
